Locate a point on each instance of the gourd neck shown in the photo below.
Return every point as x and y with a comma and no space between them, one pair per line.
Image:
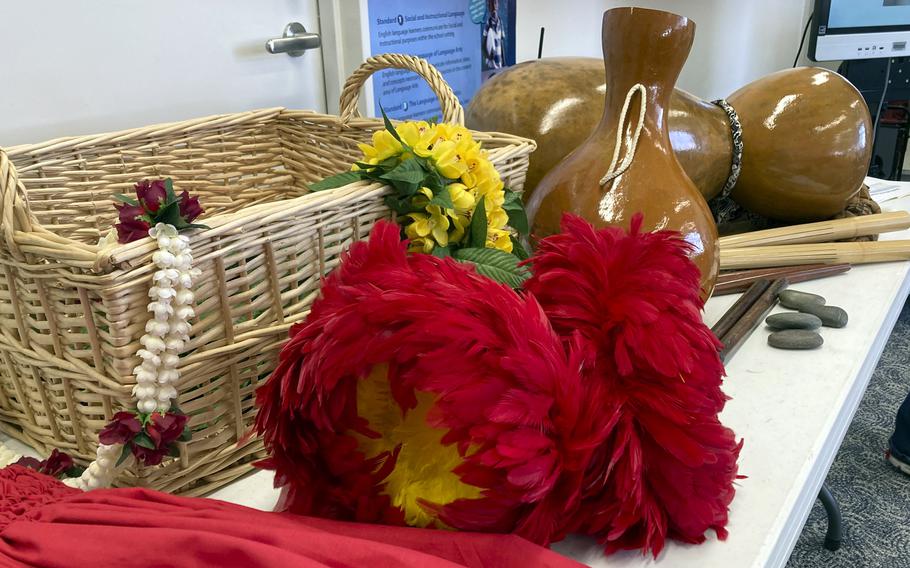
648,47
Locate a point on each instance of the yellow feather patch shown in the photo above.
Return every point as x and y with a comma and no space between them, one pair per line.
424,466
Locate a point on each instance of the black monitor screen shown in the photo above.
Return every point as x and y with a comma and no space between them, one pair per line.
864,16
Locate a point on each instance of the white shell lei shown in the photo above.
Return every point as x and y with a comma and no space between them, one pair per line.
166,332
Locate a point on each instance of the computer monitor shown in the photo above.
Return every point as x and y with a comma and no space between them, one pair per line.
860,29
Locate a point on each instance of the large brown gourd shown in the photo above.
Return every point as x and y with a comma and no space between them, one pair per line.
807,131
644,51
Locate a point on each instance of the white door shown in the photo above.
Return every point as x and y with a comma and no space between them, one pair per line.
73,68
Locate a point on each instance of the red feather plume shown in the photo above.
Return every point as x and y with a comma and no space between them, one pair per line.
507,390
667,466
588,405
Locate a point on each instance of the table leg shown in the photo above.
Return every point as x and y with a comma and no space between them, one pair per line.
835,535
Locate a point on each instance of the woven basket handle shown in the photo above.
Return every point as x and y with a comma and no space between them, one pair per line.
452,111
15,214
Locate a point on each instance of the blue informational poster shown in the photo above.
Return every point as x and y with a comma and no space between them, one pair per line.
467,40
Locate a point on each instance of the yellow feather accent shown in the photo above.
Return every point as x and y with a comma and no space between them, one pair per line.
424,467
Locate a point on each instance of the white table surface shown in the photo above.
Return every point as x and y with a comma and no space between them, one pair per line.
793,409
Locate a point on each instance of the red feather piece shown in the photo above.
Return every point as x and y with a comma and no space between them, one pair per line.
507,393
668,465
588,405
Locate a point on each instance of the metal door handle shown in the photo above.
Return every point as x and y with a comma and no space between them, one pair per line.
295,41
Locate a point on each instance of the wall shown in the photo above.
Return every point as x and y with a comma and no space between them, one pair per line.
572,27
76,68
735,41
84,67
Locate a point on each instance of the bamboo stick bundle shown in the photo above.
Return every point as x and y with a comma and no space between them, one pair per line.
822,231
814,253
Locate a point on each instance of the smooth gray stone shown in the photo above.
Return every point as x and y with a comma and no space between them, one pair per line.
831,316
795,339
793,321
796,300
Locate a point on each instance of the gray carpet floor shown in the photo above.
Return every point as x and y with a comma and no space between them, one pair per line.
874,497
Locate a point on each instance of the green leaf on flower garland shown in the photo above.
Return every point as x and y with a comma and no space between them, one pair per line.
124,454
169,188
170,214
393,203
406,177
443,199
75,471
389,163
373,175
519,249
337,180
186,435
126,199
399,205
391,128
142,439
477,232
385,165
409,170
495,264
518,218
511,195
433,179
441,252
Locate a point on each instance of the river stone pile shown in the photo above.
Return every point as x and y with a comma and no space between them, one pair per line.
798,330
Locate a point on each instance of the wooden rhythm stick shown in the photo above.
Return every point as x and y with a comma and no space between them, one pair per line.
735,275
821,232
742,305
817,253
747,323
739,281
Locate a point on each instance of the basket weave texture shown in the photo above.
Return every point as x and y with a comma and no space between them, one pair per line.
71,313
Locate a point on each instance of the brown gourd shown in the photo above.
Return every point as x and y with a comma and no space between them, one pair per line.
644,51
807,131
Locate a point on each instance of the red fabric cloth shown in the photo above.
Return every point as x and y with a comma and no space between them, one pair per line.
44,523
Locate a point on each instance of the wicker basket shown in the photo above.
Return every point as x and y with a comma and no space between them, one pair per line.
71,314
